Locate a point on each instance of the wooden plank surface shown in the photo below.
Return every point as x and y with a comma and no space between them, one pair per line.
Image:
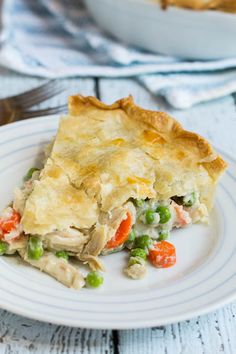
19,335
211,334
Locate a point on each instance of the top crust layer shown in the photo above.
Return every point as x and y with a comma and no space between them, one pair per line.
103,155
167,127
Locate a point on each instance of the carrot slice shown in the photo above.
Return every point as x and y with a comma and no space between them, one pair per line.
163,255
10,224
121,234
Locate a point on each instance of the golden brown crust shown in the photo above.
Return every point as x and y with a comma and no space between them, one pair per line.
220,5
165,125
103,155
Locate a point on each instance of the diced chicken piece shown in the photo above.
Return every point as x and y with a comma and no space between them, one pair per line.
94,262
17,244
98,240
72,240
136,271
58,268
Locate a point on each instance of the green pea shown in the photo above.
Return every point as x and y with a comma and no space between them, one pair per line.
138,252
135,260
163,235
164,213
138,202
3,247
62,254
189,199
132,236
143,242
149,216
94,280
30,173
35,248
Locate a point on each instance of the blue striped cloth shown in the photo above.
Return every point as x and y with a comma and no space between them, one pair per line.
57,38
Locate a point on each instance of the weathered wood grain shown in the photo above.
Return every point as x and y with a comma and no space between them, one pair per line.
19,335
210,334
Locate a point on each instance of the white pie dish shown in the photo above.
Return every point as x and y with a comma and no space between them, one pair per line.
202,280
175,32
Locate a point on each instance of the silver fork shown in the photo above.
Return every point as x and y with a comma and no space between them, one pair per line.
15,108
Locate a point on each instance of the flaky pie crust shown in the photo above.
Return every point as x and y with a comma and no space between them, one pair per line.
103,155
220,5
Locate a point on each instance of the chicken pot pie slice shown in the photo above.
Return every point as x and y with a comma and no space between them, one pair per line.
115,176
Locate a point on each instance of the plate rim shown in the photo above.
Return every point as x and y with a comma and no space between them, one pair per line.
123,326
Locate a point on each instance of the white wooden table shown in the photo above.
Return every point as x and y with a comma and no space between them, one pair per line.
210,334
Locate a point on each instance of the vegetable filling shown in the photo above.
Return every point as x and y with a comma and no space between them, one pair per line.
143,231
155,220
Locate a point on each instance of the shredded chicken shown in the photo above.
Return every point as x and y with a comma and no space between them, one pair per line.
97,242
58,268
94,262
17,244
71,240
103,232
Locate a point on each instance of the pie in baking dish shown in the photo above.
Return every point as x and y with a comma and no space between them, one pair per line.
114,176
220,5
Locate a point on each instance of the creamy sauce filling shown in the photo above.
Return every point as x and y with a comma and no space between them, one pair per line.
153,230
181,215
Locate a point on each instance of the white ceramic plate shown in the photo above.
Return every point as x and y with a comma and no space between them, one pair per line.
176,32
203,279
